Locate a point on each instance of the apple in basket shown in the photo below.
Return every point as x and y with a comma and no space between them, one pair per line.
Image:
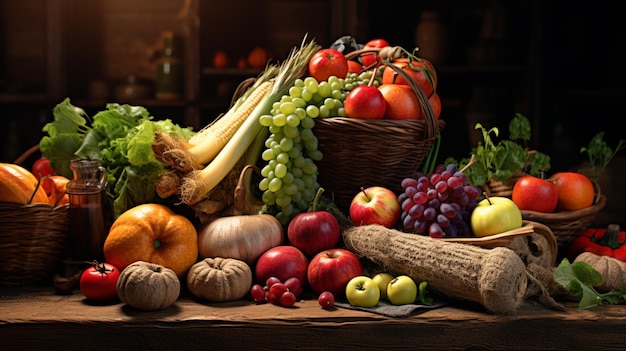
531,193
375,205
365,102
494,215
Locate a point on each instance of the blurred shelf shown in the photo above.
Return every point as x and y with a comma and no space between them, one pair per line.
22,98
233,72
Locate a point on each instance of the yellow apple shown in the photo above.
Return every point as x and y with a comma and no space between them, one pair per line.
402,290
495,215
383,279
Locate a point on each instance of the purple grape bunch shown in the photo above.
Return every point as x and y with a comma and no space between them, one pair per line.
438,204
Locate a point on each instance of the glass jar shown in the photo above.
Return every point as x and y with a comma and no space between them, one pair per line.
87,230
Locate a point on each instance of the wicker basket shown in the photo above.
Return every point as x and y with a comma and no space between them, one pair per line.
33,239
361,153
32,242
567,225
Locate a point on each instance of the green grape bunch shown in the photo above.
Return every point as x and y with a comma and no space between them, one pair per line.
289,171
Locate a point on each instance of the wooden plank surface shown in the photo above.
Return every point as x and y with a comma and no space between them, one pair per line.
38,319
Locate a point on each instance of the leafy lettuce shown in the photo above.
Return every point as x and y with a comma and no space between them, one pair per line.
121,138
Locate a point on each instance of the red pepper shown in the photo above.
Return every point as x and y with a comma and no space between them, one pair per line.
603,242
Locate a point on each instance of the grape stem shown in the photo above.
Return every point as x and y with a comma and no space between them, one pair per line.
471,162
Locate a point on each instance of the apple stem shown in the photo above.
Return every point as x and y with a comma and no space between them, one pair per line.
367,196
487,197
316,199
373,78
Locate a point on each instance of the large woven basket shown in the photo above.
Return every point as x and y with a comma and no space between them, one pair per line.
567,225
33,239
361,153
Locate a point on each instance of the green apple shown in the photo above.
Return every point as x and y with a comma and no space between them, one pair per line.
402,290
495,215
383,279
362,291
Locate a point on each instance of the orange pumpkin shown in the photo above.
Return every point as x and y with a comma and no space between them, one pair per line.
18,185
152,233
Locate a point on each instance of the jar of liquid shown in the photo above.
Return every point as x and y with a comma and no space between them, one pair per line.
87,228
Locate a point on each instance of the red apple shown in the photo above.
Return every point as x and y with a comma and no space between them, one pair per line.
328,62
365,102
283,262
535,194
375,205
330,270
575,190
314,231
370,60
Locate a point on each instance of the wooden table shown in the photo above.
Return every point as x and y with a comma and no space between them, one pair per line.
38,319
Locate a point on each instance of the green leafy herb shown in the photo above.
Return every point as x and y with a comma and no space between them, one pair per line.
422,294
501,160
580,278
600,154
121,138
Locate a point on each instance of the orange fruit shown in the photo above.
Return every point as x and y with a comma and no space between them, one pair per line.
575,190
220,59
420,70
258,57
435,104
55,186
354,67
152,233
402,103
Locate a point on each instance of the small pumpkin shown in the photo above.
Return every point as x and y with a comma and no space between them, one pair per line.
613,271
19,185
242,236
219,279
148,286
152,233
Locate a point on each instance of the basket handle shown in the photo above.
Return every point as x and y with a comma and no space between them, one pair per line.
26,154
388,54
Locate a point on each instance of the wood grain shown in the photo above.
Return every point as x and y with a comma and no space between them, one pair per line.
37,319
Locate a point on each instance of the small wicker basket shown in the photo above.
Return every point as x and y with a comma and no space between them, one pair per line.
33,239
567,225
362,153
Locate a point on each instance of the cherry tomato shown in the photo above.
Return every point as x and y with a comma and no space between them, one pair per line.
42,168
326,299
98,282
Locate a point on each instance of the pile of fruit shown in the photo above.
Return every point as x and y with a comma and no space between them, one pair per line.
270,235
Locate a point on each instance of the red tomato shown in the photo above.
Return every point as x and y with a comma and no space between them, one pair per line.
328,62
42,168
369,59
421,70
98,282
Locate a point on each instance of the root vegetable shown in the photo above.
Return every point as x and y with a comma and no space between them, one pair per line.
495,278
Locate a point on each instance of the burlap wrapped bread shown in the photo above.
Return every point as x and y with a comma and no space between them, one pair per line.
496,278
